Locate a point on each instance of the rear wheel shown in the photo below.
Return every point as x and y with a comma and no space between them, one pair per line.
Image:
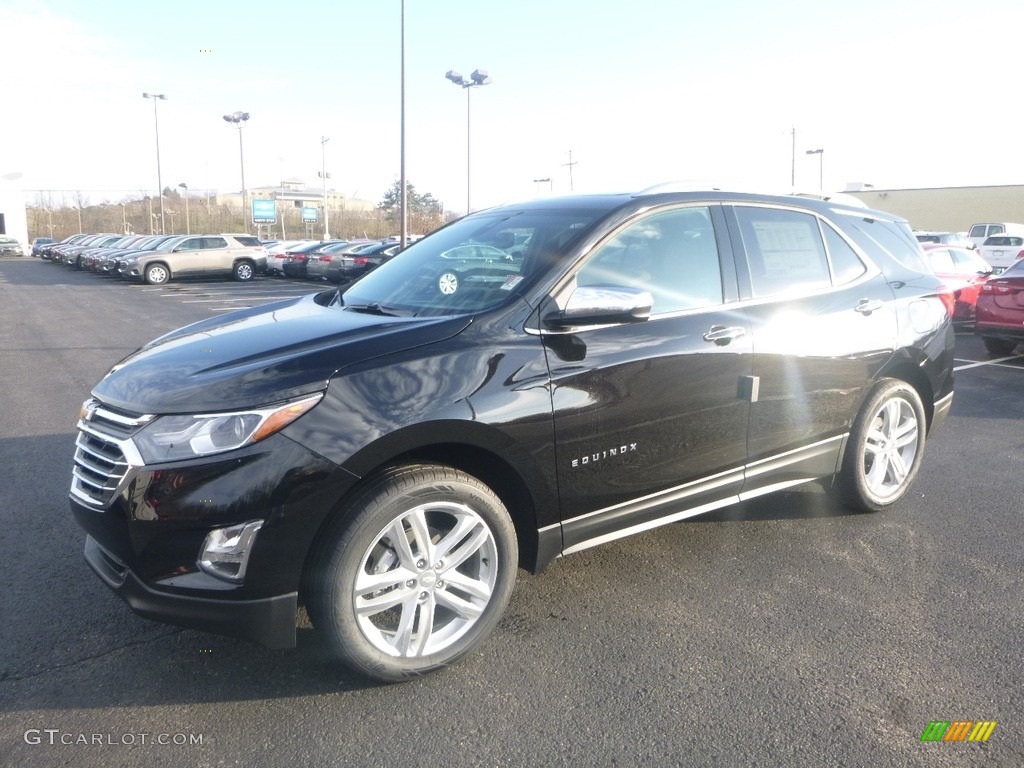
244,271
999,347
417,575
885,448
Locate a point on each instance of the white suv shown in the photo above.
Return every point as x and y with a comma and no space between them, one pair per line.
238,255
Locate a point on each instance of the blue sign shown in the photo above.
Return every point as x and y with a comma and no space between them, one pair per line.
264,211
309,214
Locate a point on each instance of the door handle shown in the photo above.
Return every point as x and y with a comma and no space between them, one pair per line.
722,335
867,306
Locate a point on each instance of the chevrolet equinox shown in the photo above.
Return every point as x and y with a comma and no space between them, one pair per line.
525,383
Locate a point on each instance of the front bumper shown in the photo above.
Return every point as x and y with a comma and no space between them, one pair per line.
269,621
145,541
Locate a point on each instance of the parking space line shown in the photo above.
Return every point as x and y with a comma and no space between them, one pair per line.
974,364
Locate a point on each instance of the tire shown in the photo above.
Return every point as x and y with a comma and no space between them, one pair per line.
999,347
373,621
244,271
885,449
157,274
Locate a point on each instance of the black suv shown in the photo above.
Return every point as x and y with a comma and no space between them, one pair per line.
527,382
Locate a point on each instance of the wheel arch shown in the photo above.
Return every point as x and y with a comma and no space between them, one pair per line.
905,370
480,461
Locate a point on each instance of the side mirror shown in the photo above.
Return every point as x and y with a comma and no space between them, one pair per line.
601,304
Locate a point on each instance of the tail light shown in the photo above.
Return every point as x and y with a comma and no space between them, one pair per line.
298,256
324,258
360,261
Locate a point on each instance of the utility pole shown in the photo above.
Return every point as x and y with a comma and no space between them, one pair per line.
792,171
570,164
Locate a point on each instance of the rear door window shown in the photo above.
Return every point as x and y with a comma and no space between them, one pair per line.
785,251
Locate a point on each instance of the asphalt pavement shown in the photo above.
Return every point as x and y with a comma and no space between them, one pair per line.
784,631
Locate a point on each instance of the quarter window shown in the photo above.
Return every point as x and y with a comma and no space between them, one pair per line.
846,265
672,254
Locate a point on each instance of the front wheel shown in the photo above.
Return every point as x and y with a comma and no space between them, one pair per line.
157,274
417,575
885,448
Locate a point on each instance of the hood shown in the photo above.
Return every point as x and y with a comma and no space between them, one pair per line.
259,356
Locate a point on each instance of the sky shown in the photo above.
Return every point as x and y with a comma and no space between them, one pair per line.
895,92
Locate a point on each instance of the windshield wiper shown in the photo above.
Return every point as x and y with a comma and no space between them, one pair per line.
373,308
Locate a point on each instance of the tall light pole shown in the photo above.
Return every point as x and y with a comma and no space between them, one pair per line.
188,226
238,119
159,182
477,78
821,163
323,175
403,237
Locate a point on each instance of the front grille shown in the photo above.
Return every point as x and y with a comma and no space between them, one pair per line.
104,452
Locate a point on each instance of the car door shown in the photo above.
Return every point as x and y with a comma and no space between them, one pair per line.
187,257
650,416
217,258
823,324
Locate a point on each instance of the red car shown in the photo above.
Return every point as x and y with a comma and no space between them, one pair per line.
1000,315
963,271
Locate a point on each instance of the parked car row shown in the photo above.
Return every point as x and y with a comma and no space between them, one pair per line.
156,259
339,261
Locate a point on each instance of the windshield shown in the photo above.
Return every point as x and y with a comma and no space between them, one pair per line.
473,264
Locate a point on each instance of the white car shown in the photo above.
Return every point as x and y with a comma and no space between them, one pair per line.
275,255
1000,251
984,230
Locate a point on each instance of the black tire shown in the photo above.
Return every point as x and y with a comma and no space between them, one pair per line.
377,628
157,274
999,347
885,449
244,271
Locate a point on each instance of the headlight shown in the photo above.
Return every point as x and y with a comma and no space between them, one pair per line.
170,438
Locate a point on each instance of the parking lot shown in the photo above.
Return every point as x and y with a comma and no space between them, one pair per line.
782,631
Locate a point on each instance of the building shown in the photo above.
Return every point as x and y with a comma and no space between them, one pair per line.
946,209
13,219
294,193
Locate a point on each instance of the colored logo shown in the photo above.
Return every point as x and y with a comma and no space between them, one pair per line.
958,730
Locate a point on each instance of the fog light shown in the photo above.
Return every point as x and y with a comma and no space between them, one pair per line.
225,552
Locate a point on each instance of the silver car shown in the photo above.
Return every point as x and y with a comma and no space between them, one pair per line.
236,255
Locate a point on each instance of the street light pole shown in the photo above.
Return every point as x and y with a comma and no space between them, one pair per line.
477,78
188,226
159,181
821,163
238,119
323,173
403,236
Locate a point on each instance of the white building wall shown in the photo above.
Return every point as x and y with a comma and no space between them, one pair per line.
12,206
